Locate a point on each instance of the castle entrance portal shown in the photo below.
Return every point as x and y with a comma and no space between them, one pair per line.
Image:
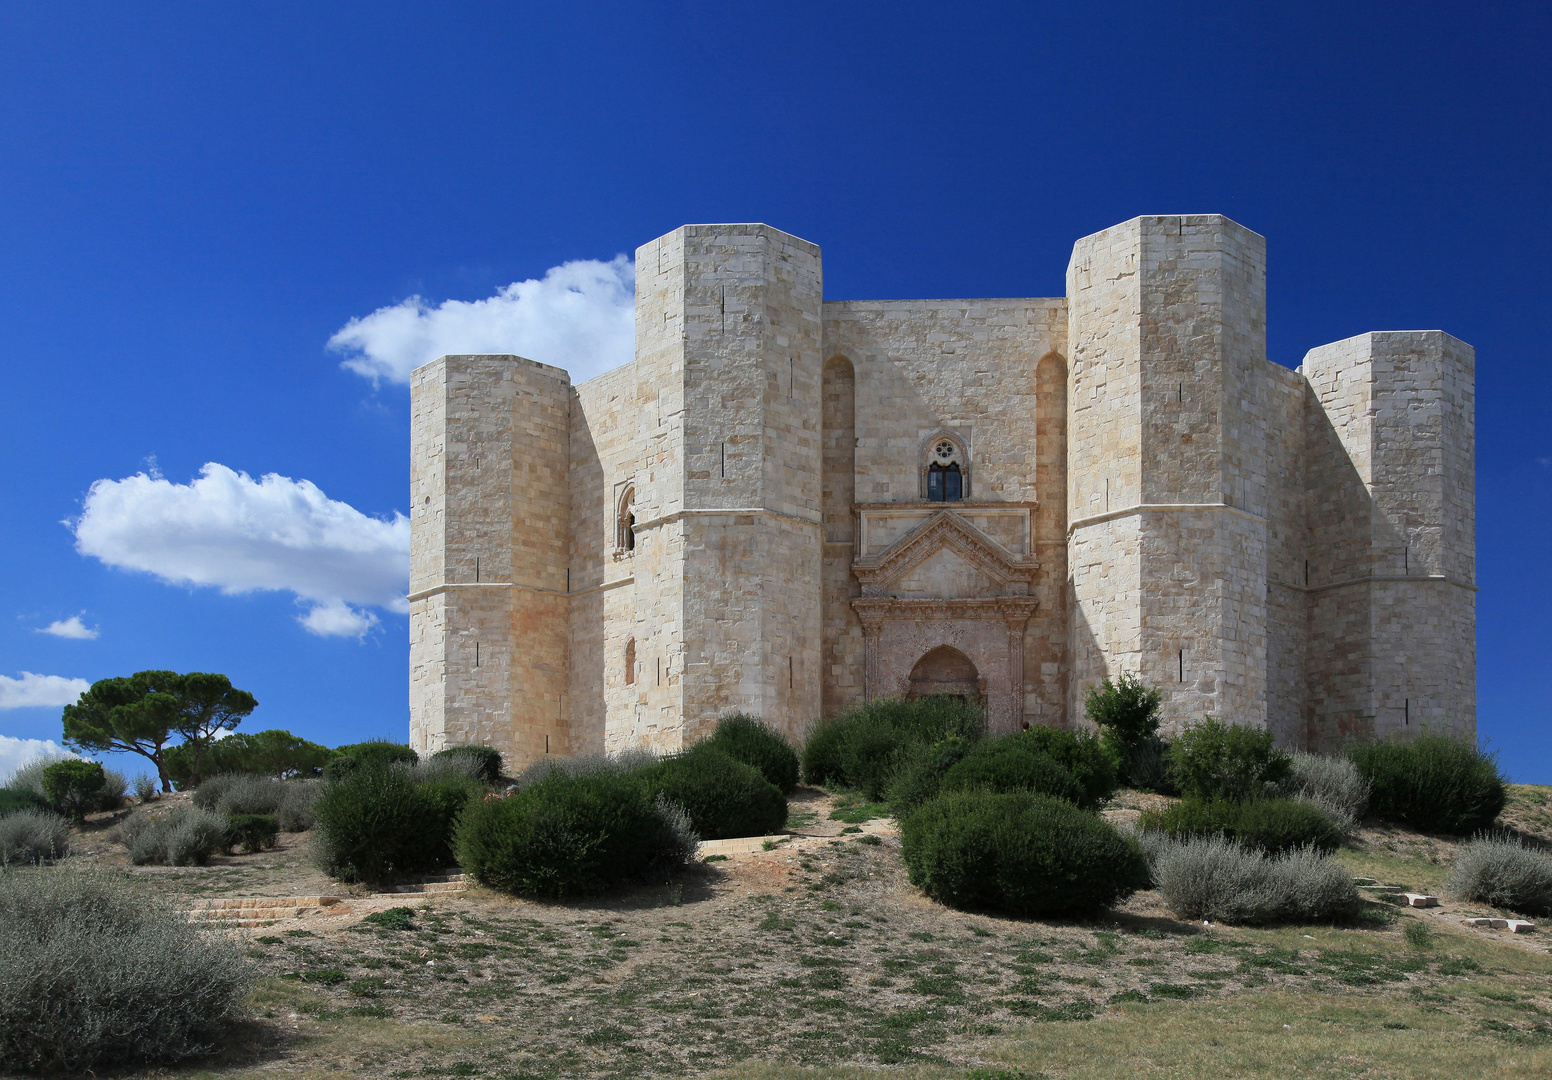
946,670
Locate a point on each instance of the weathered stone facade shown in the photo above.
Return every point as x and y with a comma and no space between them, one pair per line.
742,518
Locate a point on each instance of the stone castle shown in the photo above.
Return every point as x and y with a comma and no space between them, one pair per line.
785,505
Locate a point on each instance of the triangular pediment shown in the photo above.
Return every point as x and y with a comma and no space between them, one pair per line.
941,557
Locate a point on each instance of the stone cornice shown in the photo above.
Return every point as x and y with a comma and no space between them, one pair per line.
877,609
943,529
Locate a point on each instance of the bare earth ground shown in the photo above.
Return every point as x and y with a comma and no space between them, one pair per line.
817,957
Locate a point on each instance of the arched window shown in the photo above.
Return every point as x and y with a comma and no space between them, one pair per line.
630,662
946,474
625,521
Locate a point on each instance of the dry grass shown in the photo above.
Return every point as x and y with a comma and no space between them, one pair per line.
818,959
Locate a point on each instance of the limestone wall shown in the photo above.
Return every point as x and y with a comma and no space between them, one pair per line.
969,367
1167,419
489,548
1392,644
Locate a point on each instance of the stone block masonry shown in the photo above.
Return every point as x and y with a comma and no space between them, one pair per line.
786,505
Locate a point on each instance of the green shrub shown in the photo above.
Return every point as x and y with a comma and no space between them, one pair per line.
183,836
12,801
754,742
31,836
1505,873
1433,783
394,918
375,752
378,822
482,763
1270,825
1011,763
722,797
275,753
1083,755
1215,878
73,787
1025,854
864,746
570,833
1214,760
1332,785
919,775
94,975
1127,713
253,832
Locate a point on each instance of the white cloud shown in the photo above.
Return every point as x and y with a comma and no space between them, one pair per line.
580,316
71,628
14,753
33,691
237,534
339,620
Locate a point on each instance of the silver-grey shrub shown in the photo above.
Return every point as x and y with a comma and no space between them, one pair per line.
1332,785
115,785
29,777
95,974
184,836
1503,872
31,836
1214,878
145,787
296,809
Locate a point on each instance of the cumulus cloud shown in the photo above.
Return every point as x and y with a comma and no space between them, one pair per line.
71,628
228,531
14,753
580,316
33,691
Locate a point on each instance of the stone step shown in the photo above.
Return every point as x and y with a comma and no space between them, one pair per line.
1514,926
1420,900
240,903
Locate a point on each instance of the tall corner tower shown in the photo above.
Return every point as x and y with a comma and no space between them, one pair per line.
1167,476
1392,537
729,519
489,539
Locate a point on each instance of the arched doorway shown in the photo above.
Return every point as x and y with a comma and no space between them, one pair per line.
946,670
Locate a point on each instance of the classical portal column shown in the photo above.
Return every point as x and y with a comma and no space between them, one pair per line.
871,625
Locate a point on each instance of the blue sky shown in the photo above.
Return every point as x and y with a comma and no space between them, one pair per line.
195,199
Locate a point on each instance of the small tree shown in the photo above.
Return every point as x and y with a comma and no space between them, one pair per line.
141,713
73,786
134,714
1127,711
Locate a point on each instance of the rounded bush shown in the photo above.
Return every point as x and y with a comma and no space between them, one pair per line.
1505,873
1083,755
32,836
1211,877
722,797
569,834
378,823
184,836
754,742
1269,825
1012,763
376,752
73,786
252,832
482,763
1433,783
93,975
240,793
1025,854
1214,760
920,773
296,809
1334,785
863,747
